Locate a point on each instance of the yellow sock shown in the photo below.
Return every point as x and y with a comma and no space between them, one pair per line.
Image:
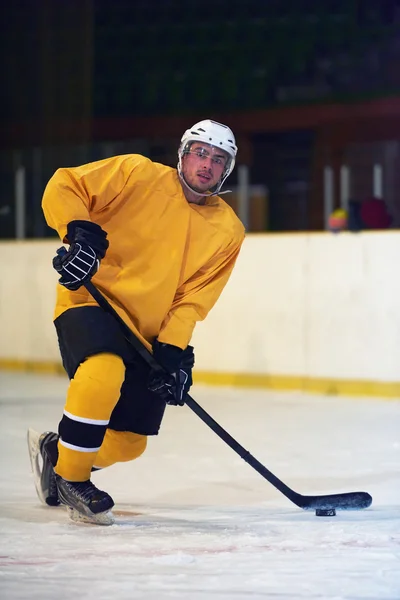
91,398
119,446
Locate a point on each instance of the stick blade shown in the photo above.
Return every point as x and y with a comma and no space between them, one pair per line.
345,501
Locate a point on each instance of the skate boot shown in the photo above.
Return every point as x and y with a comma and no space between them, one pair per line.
43,454
85,502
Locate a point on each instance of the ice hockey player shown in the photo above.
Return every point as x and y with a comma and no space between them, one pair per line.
160,244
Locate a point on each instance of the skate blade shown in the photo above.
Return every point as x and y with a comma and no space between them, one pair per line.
35,458
103,518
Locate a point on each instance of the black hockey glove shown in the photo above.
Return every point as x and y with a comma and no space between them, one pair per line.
77,265
173,385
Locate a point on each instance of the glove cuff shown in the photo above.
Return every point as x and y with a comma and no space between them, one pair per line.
88,233
167,355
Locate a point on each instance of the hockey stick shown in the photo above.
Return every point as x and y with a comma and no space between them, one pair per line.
329,502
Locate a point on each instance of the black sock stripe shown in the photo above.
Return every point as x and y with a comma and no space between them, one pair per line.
84,435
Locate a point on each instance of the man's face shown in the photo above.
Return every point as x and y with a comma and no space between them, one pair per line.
203,166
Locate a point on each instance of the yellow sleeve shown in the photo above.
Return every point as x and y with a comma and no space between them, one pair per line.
196,297
77,193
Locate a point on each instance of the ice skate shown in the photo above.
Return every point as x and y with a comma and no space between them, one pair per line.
85,502
43,455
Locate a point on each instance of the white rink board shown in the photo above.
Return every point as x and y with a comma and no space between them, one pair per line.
27,299
316,305
313,305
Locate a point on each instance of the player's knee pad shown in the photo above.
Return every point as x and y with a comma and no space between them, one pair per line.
120,446
96,386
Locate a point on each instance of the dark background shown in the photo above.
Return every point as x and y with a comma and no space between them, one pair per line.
303,84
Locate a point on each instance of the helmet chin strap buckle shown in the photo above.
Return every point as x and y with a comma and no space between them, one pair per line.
221,193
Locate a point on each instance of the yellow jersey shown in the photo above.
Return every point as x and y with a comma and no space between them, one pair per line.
168,260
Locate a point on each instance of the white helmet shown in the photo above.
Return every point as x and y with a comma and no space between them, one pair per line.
215,134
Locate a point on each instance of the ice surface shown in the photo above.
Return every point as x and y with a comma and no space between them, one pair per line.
194,522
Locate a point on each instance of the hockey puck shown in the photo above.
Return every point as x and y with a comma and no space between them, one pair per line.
325,512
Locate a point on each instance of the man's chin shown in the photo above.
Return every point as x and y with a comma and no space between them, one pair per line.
201,189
